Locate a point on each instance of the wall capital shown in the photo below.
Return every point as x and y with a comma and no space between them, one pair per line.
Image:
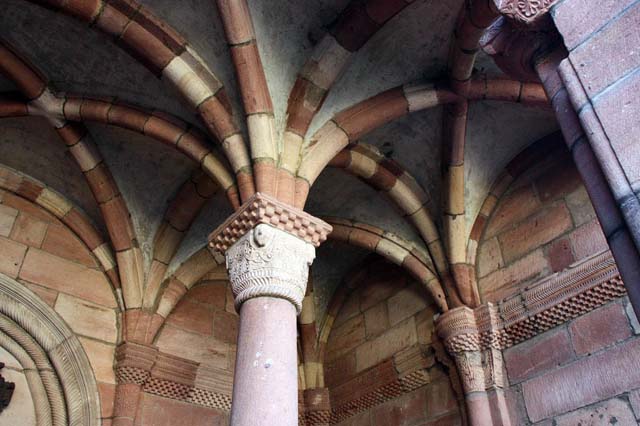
516,48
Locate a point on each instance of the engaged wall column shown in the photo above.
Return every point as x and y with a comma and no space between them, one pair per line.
269,247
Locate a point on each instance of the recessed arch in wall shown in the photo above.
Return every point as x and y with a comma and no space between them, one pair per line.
65,390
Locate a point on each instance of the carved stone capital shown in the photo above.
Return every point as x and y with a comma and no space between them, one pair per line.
524,11
537,308
269,247
269,262
480,371
516,49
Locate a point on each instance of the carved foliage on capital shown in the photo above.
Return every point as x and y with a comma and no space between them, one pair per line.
524,11
269,262
481,370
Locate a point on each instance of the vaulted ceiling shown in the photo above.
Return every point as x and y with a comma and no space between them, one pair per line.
412,47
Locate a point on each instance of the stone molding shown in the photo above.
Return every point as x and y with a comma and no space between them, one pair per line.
262,208
524,11
269,262
405,372
66,391
536,309
173,377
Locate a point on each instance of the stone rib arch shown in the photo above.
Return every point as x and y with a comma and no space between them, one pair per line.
29,319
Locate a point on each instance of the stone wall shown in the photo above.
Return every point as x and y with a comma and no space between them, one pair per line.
202,332
602,77
542,223
203,326
380,366
42,253
585,369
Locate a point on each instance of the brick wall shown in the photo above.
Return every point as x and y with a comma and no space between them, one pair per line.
384,316
543,223
41,252
586,371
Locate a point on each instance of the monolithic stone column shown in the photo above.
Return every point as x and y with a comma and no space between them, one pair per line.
269,247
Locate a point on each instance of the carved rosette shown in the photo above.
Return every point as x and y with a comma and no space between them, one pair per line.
524,11
269,262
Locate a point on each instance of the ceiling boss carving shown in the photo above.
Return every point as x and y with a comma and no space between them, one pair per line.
524,11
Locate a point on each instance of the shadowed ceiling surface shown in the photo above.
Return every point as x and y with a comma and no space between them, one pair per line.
413,46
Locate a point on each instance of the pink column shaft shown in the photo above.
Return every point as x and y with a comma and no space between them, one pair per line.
265,388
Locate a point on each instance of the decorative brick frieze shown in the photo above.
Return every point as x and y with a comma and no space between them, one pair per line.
535,309
405,372
399,386
134,362
262,208
172,377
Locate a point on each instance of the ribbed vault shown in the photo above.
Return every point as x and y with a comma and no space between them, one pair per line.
173,115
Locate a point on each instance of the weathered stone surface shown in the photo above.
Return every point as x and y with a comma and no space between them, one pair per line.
599,328
584,382
87,319
376,320
346,337
387,344
210,292
560,254
612,412
580,206
12,256
513,208
500,283
193,346
489,257
405,303
534,232
63,243
101,356
407,409
192,316
542,353
588,240
576,27
158,411
28,230
62,275
7,218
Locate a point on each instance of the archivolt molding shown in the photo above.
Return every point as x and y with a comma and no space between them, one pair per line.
39,389
55,351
